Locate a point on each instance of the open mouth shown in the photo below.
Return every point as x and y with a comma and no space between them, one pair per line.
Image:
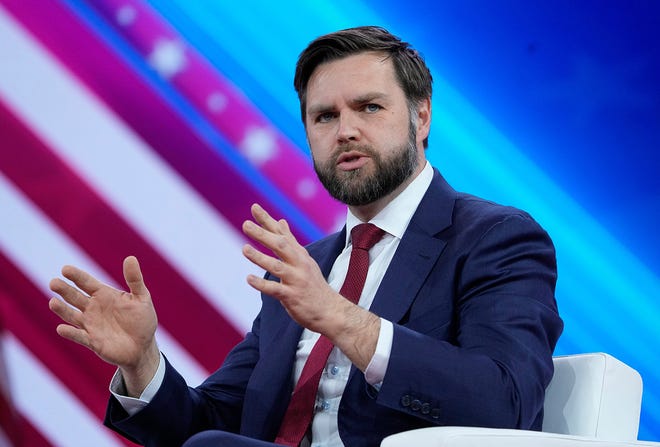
351,160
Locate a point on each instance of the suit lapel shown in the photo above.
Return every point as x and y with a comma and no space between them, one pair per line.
417,253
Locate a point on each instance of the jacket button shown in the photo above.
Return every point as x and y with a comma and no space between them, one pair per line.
415,405
405,400
426,408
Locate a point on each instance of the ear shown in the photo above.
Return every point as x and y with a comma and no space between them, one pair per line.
423,120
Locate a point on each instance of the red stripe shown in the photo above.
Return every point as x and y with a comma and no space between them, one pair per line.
28,318
107,238
21,433
9,419
111,79
31,437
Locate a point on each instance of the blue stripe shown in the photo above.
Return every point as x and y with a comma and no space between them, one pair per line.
193,118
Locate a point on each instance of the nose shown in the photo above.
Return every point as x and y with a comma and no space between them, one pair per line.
348,129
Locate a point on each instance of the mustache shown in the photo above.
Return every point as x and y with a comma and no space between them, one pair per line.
363,148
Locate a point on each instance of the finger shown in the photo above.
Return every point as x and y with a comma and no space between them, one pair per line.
69,293
281,242
270,288
273,265
284,225
65,312
264,219
74,334
82,279
133,276
257,233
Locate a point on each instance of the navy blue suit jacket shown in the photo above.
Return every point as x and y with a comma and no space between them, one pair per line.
470,292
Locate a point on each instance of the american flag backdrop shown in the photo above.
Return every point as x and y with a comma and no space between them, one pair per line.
119,136
98,163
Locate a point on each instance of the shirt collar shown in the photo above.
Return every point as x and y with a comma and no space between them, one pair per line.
396,215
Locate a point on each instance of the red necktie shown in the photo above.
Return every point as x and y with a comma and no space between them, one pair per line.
299,413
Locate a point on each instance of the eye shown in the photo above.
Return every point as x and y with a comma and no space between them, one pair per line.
372,108
325,117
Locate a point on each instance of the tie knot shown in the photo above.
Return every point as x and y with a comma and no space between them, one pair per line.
365,236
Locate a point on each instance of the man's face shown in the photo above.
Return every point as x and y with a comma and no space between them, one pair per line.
363,140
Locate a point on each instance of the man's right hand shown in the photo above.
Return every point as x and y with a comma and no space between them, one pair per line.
118,326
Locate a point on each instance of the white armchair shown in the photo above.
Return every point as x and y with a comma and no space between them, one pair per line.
593,399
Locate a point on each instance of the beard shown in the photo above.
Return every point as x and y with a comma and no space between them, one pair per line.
357,188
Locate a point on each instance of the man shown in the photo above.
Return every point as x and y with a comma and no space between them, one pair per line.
455,325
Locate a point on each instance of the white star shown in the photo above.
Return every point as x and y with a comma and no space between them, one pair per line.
126,15
168,57
306,188
259,145
216,102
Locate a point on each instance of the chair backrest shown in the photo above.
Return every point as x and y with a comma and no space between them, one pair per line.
593,395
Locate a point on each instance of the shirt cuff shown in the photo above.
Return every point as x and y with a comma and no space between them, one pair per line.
375,372
131,404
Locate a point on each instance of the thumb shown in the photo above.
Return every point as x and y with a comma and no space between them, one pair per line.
133,276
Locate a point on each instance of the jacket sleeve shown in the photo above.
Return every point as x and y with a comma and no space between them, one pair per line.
177,411
490,364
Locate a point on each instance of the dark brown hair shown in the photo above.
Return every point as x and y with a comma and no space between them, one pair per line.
411,71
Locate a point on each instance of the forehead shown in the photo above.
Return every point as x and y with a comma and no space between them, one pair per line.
351,76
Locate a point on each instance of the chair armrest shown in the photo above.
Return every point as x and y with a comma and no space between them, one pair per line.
494,437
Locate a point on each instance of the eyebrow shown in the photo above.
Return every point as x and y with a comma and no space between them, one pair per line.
362,99
368,97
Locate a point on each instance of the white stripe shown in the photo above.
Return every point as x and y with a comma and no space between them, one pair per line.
162,207
43,400
39,250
